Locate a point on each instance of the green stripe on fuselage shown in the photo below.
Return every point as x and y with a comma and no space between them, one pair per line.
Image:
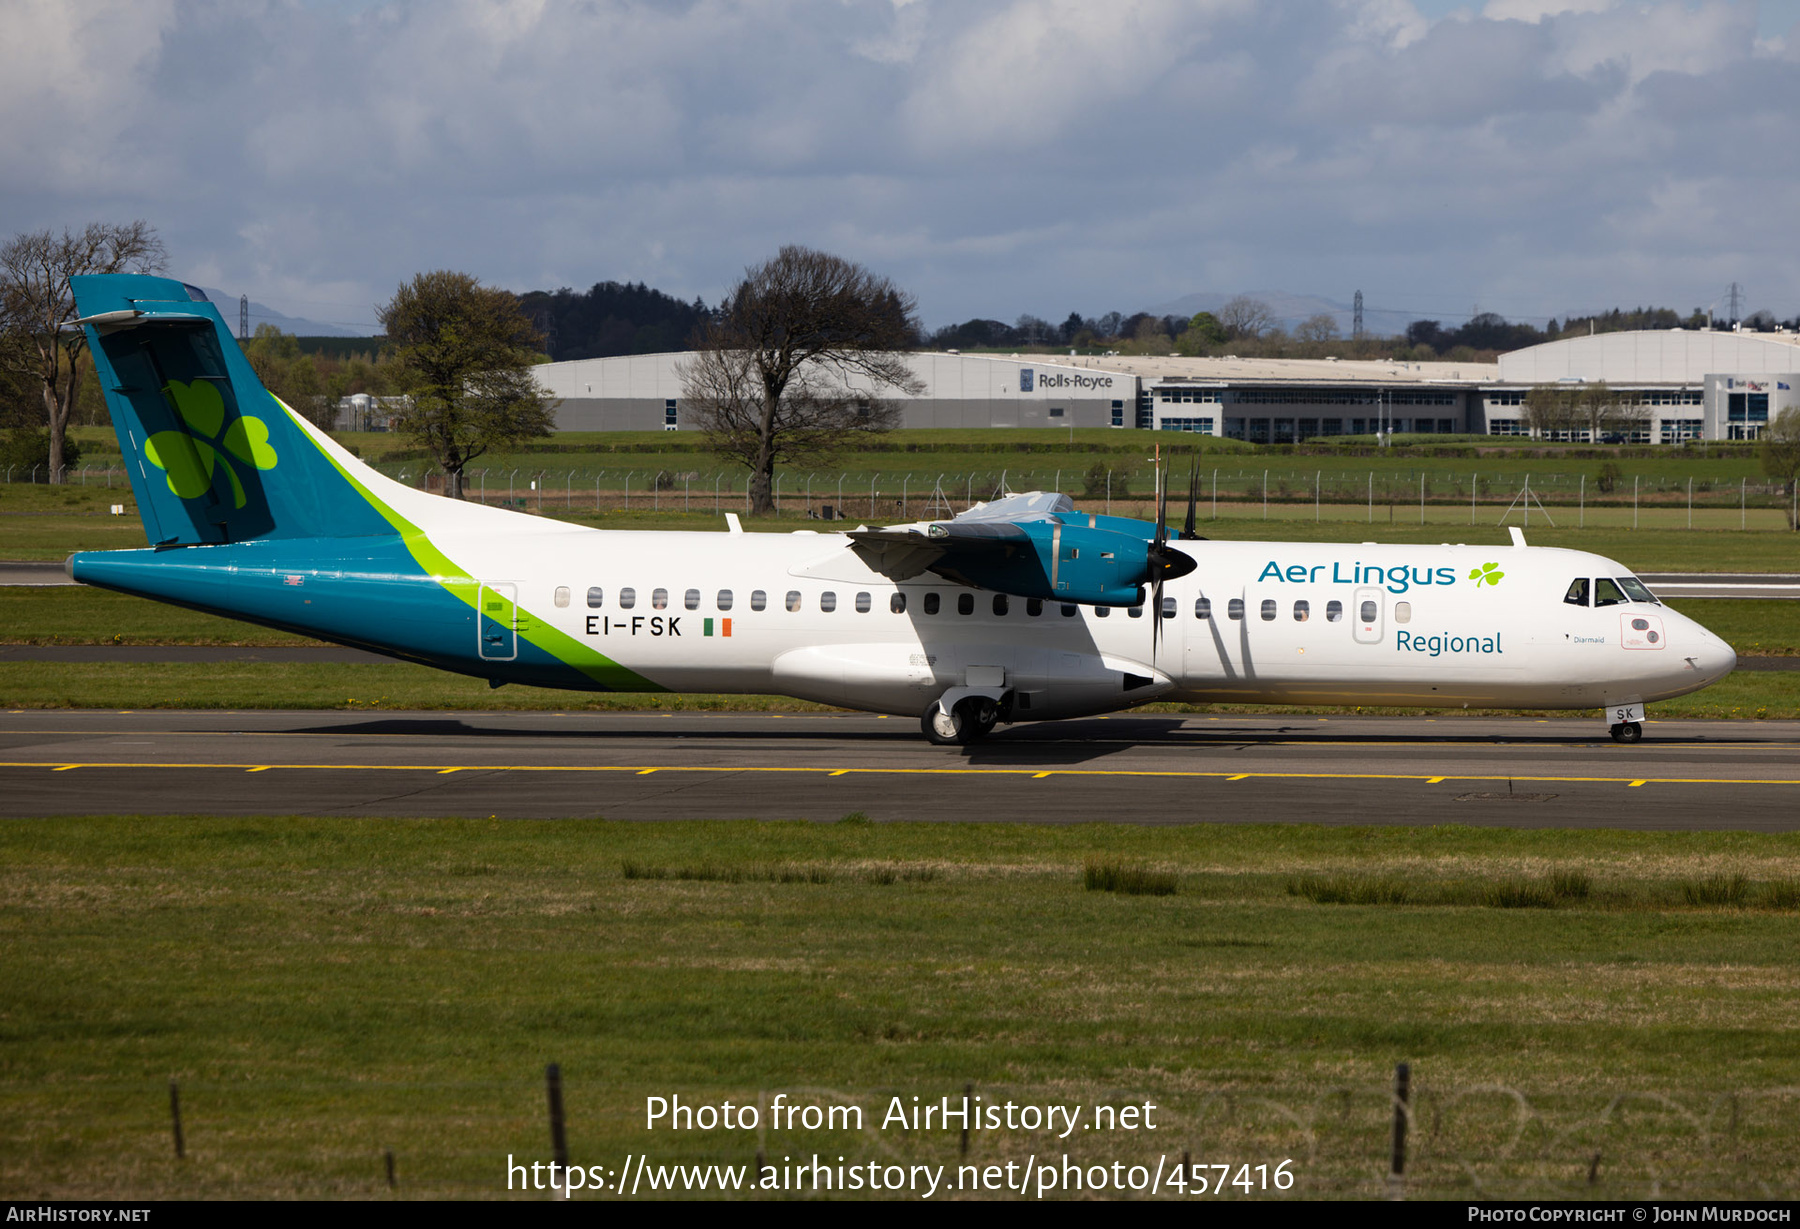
465,588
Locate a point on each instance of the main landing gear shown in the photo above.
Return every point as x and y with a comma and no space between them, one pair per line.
969,720
1627,732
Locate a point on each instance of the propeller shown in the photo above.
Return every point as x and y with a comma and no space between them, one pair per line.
1160,561
1187,528
1166,564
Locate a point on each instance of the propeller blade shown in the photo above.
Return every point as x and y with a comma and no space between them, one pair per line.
1162,504
1187,528
1155,558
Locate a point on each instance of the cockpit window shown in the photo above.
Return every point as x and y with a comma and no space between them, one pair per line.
1636,590
1578,592
1607,592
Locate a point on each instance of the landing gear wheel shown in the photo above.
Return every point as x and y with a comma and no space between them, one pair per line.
1627,732
943,729
969,720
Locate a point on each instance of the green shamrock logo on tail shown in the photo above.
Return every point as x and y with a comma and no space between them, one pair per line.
189,460
1487,574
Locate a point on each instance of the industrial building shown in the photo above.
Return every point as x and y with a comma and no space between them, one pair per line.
1676,385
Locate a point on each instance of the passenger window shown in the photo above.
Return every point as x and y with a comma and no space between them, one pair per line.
627,598
1334,611
828,601
1403,612
1369,611
897,603
1203,608
1607,592
1268,609
1068,610
931,603
1302,610
1034,606
692,599
596,597
561,597
1578,592
725,599
1235,608
965,603
1168,608
863,601
1001,605
758,599
1136,612
793,599
659,599
1636,590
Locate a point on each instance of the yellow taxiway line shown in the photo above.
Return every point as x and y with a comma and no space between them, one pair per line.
1034,773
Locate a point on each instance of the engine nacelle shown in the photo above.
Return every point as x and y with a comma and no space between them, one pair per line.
1059,563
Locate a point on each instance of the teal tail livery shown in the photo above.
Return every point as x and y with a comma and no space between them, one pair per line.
1022,609
254,513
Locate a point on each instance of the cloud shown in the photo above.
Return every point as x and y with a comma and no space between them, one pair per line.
995,156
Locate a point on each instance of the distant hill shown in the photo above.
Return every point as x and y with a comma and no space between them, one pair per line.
1291,309
261,313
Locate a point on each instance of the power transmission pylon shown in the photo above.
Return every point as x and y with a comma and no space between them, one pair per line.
243,317
1356,328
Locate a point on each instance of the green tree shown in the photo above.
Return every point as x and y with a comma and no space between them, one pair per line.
799,360
1780,448
1203,332
465,353
36,303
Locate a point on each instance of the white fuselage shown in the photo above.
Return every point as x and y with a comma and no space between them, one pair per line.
803,615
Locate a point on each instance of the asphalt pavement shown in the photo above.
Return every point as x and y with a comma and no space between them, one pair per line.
1516,772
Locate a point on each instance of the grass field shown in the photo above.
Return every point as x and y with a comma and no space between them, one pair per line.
39,522
1586,1013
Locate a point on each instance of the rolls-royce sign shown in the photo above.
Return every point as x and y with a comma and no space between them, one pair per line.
1076,380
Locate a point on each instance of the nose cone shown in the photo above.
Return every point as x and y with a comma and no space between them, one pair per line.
1710,656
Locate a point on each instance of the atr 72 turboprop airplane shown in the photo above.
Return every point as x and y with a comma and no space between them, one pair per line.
1023,609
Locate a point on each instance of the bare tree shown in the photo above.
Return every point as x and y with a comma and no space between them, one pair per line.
800,357
1596,408
1780,450
1247,317
1550,408
1629,414
36,304
1317,328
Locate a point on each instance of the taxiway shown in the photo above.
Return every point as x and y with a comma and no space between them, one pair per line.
1133,768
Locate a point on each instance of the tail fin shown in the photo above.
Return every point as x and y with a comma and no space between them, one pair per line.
213,457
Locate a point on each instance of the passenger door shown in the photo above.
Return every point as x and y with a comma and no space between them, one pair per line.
497,609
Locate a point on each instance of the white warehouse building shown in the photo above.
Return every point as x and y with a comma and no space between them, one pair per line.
1684,384
1691,385
642,392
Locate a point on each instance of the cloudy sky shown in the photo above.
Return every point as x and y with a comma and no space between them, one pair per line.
993,156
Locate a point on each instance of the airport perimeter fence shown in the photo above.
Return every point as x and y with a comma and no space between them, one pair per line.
1412,1138
1391,496
1373,496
